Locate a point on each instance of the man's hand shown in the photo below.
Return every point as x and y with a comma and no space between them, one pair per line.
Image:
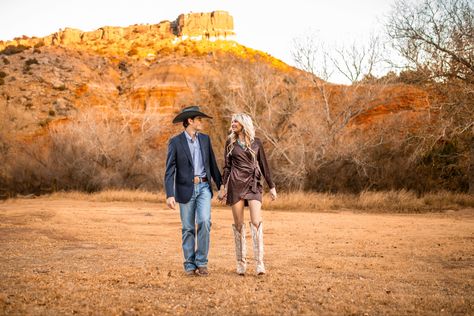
273,193
171,202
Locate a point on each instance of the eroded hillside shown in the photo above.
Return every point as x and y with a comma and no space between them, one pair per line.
135,79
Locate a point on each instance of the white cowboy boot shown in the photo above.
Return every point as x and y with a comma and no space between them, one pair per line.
257,238
240,249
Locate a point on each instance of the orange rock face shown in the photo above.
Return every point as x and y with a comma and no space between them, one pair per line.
217,24
197,26
145,67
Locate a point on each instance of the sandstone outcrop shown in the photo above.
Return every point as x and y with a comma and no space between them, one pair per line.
216,25
211,26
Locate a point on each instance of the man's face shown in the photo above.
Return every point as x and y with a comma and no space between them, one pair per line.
196,123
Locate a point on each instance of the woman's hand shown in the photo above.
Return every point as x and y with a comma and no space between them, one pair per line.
222,194
273,193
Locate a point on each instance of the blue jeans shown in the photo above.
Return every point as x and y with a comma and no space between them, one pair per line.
196,211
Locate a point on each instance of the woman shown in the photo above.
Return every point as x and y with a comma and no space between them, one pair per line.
245,164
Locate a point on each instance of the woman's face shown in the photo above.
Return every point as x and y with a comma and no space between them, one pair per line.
236,126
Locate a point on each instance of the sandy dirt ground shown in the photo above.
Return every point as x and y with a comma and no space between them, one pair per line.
62,257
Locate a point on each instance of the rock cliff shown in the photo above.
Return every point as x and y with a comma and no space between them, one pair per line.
216,25
161,68
211,26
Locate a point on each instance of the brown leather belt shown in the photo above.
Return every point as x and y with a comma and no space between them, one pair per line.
199,180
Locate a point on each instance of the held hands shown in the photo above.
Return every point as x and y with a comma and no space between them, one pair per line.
222,195
171,202
273,193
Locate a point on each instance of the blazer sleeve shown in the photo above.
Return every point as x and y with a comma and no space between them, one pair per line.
263,164
170,169
227,163
215,173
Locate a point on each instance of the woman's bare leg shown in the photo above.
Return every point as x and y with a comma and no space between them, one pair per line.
255,212
238,214
256,228
239,236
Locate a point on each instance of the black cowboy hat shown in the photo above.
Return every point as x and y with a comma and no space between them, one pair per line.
187,112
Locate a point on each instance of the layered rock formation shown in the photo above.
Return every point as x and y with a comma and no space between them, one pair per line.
211,26
160,67
216,25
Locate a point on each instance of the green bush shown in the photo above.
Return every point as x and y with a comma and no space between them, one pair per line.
28,63
31,61
132,52
123,66
39,44
11,49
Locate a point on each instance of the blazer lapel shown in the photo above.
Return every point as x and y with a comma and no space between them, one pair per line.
204,148
184,144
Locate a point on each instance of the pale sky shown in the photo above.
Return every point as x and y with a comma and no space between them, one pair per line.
269,26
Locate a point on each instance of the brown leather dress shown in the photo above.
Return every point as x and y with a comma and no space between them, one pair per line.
244,174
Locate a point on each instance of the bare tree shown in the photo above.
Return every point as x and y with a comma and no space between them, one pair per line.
358,60
270,98
335,107
438,34
436,38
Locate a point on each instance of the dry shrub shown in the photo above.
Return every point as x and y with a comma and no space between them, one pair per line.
391,200
94,152
98,151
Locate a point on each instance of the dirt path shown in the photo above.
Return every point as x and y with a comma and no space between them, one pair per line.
79,257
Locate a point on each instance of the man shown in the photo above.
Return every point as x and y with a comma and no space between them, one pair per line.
190,165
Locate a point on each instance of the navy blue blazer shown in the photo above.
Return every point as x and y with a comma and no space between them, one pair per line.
179,174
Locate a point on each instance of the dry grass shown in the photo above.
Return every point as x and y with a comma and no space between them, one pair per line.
386,201
368,201
65,256
112,196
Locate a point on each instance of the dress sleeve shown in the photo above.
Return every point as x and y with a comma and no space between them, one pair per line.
227,164
263,164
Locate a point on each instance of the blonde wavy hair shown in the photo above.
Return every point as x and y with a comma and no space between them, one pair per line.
247,129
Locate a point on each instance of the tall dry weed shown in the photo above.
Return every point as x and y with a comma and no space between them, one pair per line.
113,196
371,201
367,201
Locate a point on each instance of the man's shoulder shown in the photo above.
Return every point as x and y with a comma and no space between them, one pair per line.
204,136
175,138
